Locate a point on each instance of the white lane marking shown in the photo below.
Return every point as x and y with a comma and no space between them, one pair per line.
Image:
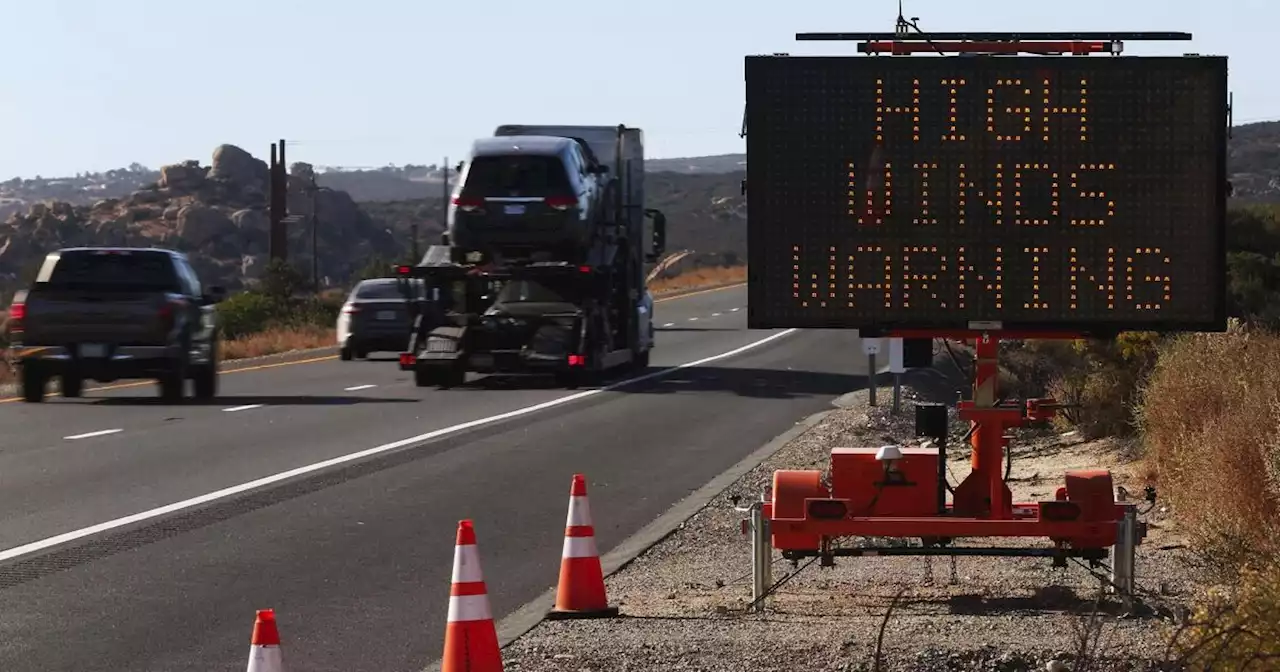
692,319
715,314
246,407
669,324
357,388
63,538
734,310
90,435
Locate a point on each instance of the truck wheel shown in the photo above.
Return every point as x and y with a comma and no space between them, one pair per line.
33,384
422,377
642,361
72,385
205,381
568,379
173,382
344,353
453,376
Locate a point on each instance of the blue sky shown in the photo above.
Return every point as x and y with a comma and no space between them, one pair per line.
98,84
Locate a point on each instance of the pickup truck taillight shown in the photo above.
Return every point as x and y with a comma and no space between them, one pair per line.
168,313
350,310
17,313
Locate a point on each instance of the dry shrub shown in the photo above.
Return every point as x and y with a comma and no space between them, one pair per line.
1100,380
1210,418
1029,368
1236,628
699,277
278,340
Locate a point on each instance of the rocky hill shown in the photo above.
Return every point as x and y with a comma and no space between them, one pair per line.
216,213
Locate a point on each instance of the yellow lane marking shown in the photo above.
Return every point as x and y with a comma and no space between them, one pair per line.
326,358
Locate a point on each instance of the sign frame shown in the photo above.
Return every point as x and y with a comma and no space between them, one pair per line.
762,255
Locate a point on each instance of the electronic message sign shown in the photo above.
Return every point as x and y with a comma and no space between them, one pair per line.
1065,194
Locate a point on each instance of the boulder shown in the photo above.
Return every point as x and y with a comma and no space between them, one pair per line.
238,167
198,224
182,178
146,196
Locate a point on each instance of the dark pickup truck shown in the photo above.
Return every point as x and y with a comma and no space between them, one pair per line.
116,313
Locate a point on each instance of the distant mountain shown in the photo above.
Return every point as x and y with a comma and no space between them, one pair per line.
392,183
700,195
217,214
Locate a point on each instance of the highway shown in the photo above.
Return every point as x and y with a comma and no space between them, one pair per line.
355,556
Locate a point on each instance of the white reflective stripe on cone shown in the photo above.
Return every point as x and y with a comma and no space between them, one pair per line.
579,547
469,608
579,512
265,659
466,564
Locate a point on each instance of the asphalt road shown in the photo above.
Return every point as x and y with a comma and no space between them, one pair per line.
356,557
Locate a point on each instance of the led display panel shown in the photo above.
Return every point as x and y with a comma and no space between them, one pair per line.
1064,194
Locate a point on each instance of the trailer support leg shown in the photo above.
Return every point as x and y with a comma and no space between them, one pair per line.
761,556
1124,557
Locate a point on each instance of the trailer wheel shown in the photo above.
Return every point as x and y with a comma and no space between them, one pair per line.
453,376
567,379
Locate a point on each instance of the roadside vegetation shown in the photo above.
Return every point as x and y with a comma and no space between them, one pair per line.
1204,412
281,315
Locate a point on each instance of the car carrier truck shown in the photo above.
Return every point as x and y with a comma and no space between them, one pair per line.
542,267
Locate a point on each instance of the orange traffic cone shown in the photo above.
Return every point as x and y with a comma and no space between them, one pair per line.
470,637
581,591
264,647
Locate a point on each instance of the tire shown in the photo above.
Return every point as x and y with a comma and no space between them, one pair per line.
453,376
205,381
174,381
33,384
344,353
72,385
642,361
567,379
422,377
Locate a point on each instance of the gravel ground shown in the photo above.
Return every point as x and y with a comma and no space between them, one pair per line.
683,601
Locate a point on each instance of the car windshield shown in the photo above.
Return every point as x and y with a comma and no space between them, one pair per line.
109,270
542,290
516,175
379,289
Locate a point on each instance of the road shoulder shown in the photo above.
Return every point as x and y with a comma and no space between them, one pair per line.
683,598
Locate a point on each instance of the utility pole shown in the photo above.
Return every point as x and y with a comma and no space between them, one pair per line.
277,199
315,248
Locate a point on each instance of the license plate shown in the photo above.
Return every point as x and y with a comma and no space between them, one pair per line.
513,209
386,314
93,350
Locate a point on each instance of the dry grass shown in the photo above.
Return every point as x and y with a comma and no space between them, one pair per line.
1210,416
699,277
278,340
270,342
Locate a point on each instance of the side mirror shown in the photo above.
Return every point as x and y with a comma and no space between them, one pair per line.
659,235
215,294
